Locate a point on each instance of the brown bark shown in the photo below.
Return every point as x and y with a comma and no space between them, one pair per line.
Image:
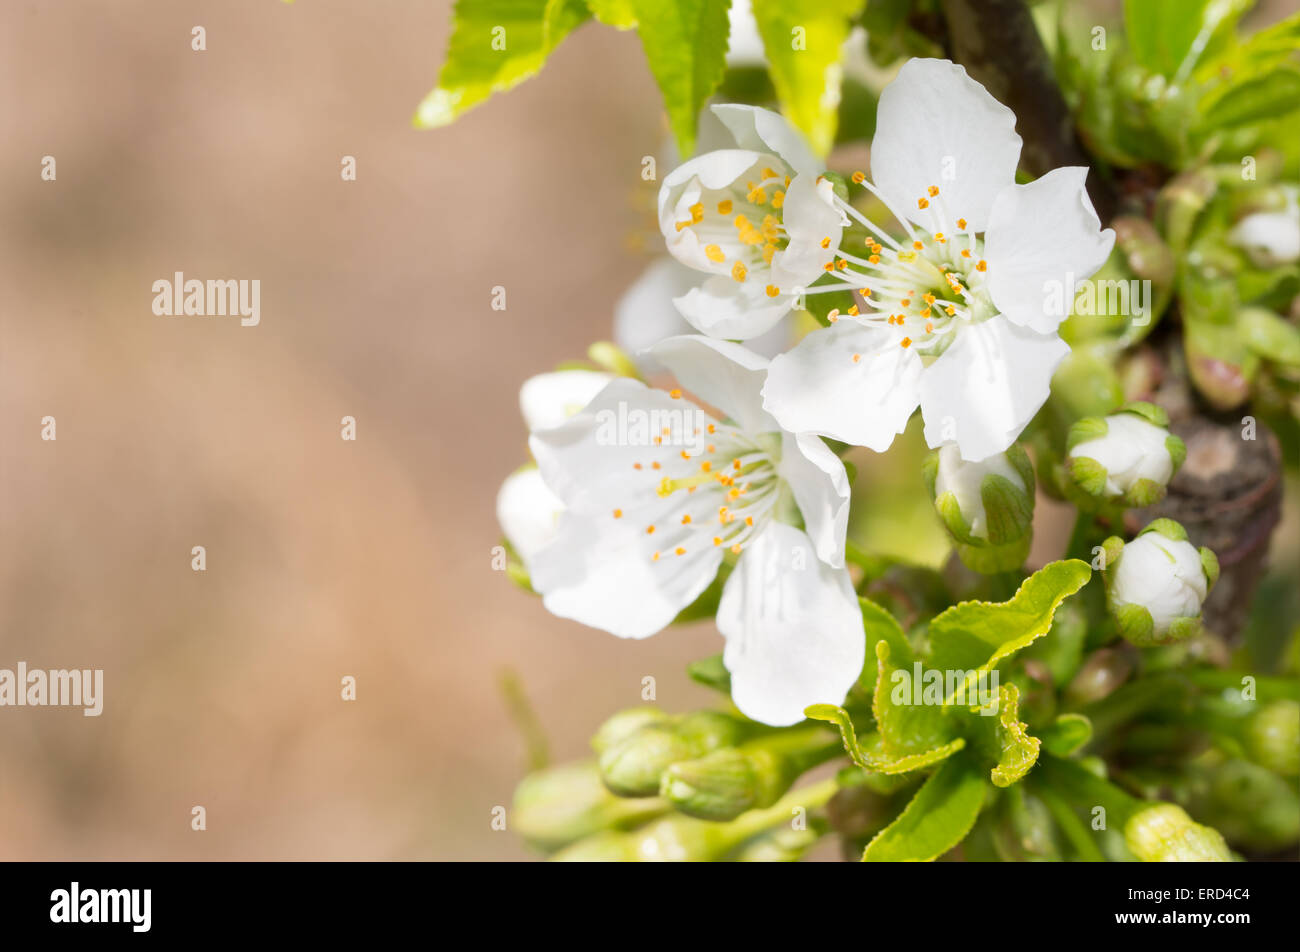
998,43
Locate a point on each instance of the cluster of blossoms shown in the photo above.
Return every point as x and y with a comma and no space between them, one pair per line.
642,500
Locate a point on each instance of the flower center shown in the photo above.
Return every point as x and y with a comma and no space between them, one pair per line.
739,227
925,286
725,483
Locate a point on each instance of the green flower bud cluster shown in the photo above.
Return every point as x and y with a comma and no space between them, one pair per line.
706,764
987,507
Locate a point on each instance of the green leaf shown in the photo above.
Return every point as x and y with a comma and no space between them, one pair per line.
1169,36
495,45
685,43
802,39
616,13
938,818
909,722
1004,739
977,635
1254,98
871,755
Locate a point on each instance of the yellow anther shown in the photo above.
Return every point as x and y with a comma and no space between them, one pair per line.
918,245
778,200
717,540
933,190
769,250
961,223
841,264
773,290
636,465
951,310
679,550
906,342
857,358
738,271
714,254
736,548
686,519
834,315
922,203
853,311
929,328
683,224
965,252
826,242
724,207
981,265
706,466
618,513
874,259
655,557
675,394
649,530
749,520
697,213
938,236
906,302
858,178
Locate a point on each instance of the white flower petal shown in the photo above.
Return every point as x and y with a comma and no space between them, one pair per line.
820,485
818,387
809,219
600,571
1271,239
987,385
966,483
937,126
645,314
725,375
793,628
1043,239
736,310
590,461
547,400
761,130
527,511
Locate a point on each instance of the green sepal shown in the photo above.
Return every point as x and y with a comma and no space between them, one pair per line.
1066,734
1089,428
1182,629
1088,475
1210,563
1144,492
1168,528
1111,550
991,559
1177,451
1153,414
1008,509
1135,624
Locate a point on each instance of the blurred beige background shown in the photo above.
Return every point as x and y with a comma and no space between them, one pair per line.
325,558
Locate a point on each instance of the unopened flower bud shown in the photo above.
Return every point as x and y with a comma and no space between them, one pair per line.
633,766
1100,675
1127,458
987,507
1271,239
1164,833
1272,737
623,724
725,783
558,805
1157,583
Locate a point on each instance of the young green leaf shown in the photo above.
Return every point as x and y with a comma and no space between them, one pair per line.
909,721
1003,739
977,635
937,819
802,39
495,45
616,13
685,43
